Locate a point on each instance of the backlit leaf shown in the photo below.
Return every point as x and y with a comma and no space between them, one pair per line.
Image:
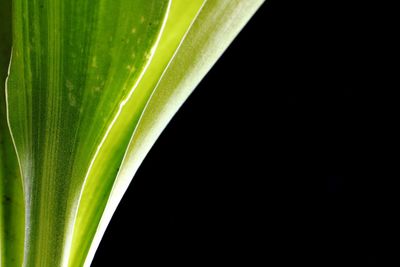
90,87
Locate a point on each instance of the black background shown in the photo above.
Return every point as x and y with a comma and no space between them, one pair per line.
273,157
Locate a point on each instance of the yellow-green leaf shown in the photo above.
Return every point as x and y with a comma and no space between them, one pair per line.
196,54
91,86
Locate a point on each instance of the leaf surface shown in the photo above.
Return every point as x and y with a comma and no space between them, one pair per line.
211,32
11,195
92,84
74,65
100,180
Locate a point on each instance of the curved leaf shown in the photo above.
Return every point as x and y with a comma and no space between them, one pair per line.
92,84
100,180
197,53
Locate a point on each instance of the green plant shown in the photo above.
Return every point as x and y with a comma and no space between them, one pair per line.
89,86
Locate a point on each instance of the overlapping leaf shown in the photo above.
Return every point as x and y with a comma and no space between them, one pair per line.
101,180
196,54
86,100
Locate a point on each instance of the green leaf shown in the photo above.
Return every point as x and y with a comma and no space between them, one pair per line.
100,181
197,53
11,195
92,84
74,65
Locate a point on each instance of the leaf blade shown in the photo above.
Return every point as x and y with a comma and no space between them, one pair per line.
11,195
161,107
74,65
195,56
97,192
